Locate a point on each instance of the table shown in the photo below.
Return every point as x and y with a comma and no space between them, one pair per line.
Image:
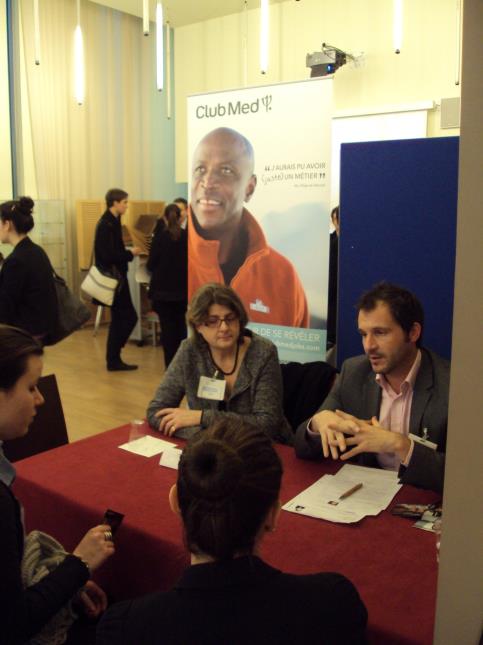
65,491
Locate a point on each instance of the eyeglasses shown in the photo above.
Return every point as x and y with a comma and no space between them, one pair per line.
215,321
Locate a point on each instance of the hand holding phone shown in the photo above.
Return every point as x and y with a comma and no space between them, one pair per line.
113,519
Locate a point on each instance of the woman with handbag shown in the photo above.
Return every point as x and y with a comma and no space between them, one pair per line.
27,291
168,263
112,257
25,611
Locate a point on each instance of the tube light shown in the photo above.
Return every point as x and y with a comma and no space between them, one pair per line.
245,44
159,47
264,35
36,32
146,17
397,27
79,74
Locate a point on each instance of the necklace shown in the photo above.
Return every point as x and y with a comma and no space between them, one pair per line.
219,368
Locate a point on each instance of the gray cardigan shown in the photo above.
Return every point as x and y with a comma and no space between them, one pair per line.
256,395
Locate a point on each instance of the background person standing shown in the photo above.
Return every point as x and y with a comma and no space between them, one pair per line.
27,292
182,204
168,263
112,257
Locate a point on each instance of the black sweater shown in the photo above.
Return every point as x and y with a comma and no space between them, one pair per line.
23,612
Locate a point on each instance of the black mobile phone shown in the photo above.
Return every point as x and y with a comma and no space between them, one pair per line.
113,518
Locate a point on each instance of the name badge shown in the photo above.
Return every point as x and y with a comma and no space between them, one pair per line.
211,388
424,441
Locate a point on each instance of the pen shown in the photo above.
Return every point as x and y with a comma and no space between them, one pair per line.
351,491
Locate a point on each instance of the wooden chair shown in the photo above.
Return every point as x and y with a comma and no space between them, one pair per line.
48,429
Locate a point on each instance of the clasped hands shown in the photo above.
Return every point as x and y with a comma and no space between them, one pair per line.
363,436
173,419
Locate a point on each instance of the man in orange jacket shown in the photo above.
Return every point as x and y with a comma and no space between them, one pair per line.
225,242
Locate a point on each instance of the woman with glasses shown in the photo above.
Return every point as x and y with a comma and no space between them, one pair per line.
224,370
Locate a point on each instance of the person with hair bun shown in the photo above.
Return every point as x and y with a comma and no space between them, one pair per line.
223,369
168,263
27,291
24,611
228,497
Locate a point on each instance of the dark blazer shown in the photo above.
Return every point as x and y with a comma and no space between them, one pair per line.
109,249
23,612
332,295
241,601
356,392
168,263
27,291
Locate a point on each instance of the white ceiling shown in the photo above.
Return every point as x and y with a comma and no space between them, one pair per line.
184,12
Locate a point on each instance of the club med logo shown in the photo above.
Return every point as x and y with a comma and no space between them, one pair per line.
259,306
234,107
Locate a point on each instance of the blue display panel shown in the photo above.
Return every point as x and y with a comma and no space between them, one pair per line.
398,223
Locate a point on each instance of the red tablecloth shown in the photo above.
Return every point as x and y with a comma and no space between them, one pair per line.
66,491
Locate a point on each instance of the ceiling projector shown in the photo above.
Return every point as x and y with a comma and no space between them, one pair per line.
325,62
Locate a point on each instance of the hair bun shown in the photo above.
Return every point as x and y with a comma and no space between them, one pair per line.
215,471
26,205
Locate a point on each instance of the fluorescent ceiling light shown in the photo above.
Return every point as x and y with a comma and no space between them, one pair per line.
397,26
79,72
146,17
36,32
264,35
159,47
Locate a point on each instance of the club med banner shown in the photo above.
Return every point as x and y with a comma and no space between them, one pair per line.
259,206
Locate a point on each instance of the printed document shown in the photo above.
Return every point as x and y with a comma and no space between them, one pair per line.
322,499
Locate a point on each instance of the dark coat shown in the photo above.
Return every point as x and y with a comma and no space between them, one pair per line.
242,601
109,251
27,291
356,392
23,612
168,263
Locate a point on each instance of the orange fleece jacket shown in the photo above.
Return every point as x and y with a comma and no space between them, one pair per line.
266,282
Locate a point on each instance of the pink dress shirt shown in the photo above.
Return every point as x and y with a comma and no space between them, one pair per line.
395,413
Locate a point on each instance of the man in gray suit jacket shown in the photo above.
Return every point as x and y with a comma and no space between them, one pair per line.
390,407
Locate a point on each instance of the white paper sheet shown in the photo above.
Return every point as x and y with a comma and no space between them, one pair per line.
170,458
147,446
321,500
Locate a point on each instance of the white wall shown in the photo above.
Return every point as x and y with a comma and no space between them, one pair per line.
210,55
459,611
